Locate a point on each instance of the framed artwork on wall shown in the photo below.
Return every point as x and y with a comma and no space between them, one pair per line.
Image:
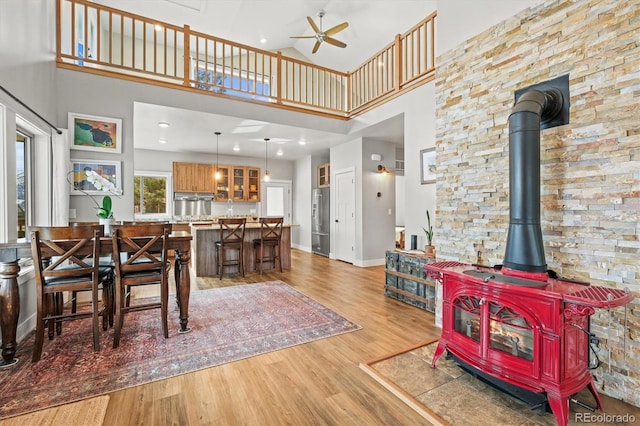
93,133
428,165
109,170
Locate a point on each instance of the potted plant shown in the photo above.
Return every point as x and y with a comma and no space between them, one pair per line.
428,231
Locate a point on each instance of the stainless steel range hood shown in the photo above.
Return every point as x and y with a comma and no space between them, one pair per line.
187,204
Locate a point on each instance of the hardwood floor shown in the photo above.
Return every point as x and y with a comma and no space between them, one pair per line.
311,384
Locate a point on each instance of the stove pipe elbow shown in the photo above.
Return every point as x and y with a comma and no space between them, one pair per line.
525,250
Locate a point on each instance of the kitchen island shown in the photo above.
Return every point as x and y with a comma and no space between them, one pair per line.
203,250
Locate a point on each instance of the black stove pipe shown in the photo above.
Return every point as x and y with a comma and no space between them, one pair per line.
525,251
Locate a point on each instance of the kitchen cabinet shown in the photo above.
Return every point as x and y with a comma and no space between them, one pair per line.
246,183
192,177
222,183
238,183
253,193
323,175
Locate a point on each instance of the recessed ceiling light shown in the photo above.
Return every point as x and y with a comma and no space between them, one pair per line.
162,140
302,142
263,40
163,124
279,152
159,27
236,148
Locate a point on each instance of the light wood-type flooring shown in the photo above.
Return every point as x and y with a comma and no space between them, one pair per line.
318,383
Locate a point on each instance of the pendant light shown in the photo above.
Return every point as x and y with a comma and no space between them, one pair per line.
266,161
217,175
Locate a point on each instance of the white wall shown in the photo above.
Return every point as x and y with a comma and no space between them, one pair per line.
418,110
27,71
400,200
302,185
378,213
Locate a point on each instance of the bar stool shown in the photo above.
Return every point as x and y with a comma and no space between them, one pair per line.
231,238
270,237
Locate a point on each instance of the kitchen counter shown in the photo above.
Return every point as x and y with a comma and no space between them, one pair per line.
203,252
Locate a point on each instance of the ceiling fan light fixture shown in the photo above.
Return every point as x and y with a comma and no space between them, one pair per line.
324,36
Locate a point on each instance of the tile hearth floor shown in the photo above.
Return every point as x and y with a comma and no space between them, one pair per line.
460,399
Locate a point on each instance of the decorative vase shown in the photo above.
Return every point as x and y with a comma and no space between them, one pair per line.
106,223
429,250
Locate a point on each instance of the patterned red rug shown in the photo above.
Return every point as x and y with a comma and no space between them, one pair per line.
227,324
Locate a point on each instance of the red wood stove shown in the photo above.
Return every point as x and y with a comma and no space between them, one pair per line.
531,334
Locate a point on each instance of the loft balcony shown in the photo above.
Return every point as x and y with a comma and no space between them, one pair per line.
106,41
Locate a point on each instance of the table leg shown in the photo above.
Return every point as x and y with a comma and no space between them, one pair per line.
9,310
184,287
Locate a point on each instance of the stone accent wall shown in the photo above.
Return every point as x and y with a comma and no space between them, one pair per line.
590,168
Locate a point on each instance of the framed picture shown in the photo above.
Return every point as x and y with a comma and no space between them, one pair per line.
92,133
428,165
110,170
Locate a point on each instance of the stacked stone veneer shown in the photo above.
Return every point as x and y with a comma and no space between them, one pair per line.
590,168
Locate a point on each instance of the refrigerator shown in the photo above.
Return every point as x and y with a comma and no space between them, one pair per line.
320,221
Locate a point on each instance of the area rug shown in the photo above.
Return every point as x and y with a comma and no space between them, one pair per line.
447,395
227,324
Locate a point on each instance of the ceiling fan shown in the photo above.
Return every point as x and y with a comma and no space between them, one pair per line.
321,36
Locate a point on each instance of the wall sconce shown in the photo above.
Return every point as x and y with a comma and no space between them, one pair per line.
382,169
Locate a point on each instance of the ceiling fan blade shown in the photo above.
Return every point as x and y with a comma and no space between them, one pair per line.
334,42
315,47
302,37
336,29
313,24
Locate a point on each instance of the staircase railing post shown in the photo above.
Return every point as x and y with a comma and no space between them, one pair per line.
186,54
279,77
398,64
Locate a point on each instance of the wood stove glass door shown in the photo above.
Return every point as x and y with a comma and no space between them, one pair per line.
510,332
467,317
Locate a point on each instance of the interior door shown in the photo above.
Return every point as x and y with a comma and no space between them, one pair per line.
276,199
345,217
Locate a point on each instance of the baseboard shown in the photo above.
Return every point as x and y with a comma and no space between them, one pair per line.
302,248
367,263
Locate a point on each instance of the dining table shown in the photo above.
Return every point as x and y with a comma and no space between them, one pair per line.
11,253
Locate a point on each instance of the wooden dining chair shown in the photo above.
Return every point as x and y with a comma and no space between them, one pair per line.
231,238
170,253
140,258
64,262
267,247
105,262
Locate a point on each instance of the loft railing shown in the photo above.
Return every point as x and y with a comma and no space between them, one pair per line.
107,41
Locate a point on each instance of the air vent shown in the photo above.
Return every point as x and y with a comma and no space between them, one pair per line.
399,167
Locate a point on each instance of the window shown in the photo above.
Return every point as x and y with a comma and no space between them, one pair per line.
23,193
151,194
243,84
